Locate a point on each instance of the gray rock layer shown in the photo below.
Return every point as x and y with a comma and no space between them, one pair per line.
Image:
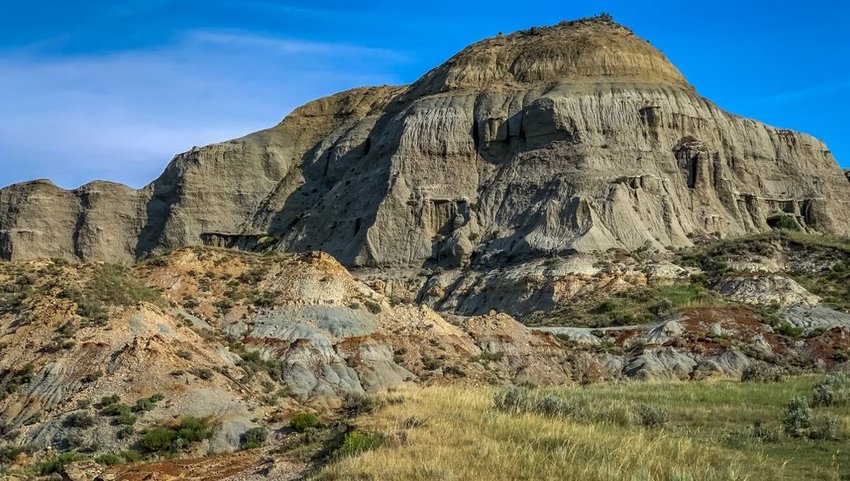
577,137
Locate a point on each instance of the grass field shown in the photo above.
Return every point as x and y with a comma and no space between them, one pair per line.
456,433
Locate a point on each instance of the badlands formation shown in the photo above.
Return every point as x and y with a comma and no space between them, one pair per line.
552,206
573,138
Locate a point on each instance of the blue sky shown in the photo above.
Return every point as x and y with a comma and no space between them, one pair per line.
112,90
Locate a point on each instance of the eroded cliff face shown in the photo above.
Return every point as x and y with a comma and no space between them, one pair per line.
577,137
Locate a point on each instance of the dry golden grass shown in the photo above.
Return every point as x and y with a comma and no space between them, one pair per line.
465,438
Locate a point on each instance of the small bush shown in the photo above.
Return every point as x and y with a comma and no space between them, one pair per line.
158,440
828,428
798,417
163,439
125,432
790,330
184,354
108,459
202,372
56,463
107,400
372,306
357,442
147,404
253,438
652,416
125,419
131,456
92,377
115,409
762,373
833,390
303,421
80,420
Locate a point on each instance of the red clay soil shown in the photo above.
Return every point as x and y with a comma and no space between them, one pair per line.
213,468
833,346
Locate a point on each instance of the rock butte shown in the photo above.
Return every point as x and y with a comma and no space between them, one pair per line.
576,137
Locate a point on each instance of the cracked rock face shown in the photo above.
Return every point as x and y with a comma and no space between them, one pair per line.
577,137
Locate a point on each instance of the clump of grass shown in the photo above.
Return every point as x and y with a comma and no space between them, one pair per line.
652,416
519,400
108,459
357,442
304,421
110,285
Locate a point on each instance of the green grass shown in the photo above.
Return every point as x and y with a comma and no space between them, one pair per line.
638,305
714,430
110,285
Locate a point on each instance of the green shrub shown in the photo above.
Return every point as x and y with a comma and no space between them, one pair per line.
783,222
147,404
81,420
125,419
303,421
107,400
790,330
108,459
158,440
798,417
652,416
92,376
131,455
56,463
20,377
184,354
115,409
357,442
165,439
828,428
253,438
833,390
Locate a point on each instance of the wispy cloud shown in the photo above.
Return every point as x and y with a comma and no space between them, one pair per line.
237,39
808,92
123,114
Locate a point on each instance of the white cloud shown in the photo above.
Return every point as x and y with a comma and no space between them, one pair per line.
123,115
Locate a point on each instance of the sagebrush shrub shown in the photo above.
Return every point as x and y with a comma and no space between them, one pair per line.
652,416
833,390
829,428
798,417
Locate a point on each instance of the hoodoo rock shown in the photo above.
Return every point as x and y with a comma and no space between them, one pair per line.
575,137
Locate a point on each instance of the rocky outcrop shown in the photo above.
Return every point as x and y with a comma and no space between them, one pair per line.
227,336
576,137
